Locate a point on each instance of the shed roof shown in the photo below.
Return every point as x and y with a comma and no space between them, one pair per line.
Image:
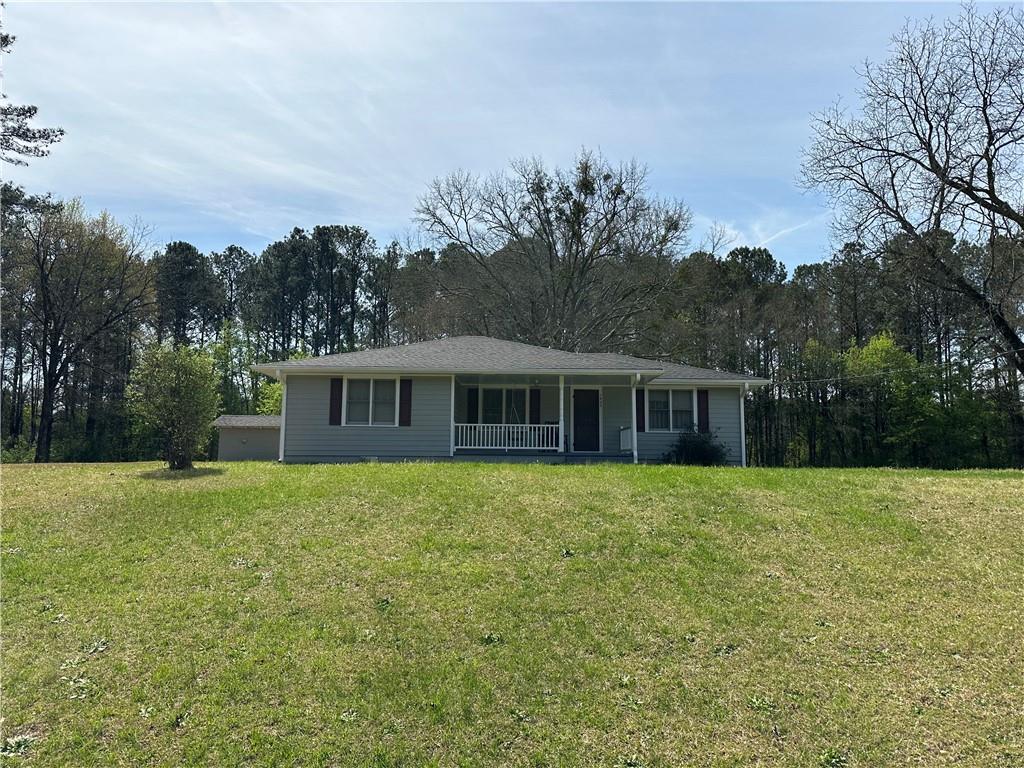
247,422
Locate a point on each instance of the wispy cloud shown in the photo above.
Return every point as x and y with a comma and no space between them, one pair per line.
234,122
776,225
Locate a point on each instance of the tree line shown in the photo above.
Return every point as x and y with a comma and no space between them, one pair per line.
904,348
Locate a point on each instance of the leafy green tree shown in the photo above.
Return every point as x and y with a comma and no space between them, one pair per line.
268,398
18,137
342,255
15,320
233,357
818,366
379,291
268,392
230,266
174,392
80,278
277,295
896,402
189,296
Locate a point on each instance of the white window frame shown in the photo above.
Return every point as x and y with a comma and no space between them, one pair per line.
371,379
647,409
671,394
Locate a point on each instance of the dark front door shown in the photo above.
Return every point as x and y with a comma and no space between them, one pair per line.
586,420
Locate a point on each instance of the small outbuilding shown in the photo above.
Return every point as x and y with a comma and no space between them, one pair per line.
248,438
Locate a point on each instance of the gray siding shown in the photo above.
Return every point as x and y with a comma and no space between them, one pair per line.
723,421
308,436
247,444
652,446
616,414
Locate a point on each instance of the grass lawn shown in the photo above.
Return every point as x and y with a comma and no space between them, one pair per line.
418,614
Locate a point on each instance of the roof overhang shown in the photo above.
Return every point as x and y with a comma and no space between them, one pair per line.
278,372
712,383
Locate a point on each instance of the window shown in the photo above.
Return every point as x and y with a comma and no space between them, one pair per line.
383,402
370,401
502,406
658,409
492,406
670,409
682,409
357,407
515,406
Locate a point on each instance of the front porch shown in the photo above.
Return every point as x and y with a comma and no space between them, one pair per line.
543,417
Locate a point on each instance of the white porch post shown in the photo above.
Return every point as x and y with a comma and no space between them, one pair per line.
695,425
451,443
743,428
284,421
632,413
561,414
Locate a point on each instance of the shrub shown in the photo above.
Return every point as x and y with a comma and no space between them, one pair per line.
21,451
696,448
174,391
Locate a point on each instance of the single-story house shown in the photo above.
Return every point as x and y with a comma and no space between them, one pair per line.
476,397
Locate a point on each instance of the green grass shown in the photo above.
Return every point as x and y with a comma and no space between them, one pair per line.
418,614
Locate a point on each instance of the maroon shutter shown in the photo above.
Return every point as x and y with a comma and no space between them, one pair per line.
641,412
702,411
405,402
534,417
472,404
335,414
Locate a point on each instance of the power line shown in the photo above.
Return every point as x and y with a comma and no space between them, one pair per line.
885,371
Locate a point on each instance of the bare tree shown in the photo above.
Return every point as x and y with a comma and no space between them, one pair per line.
566,257
938,146
717,240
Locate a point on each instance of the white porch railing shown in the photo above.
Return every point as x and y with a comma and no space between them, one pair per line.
541,437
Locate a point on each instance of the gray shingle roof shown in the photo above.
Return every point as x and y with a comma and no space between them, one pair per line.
683,372
463,354
482,354
249,422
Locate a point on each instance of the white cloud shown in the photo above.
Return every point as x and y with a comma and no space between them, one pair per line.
238,121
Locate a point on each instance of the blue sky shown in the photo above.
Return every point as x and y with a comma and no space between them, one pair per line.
232,123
